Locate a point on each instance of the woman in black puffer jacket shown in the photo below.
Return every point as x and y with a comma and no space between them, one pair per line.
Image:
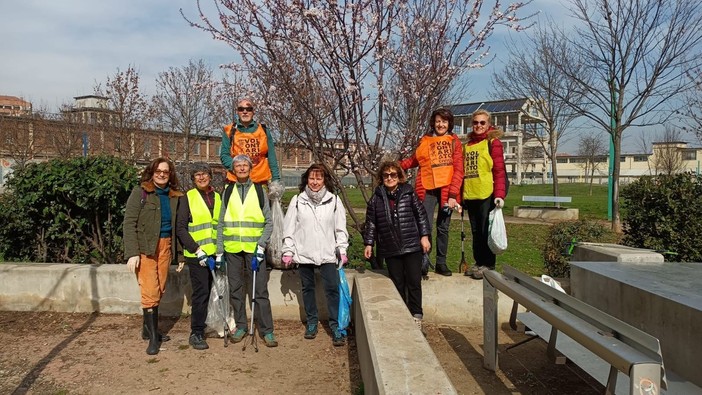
397,224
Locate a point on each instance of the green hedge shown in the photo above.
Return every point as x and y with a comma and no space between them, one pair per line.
66,210
664,213
564,235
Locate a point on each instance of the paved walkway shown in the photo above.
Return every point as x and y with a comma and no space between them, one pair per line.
508,218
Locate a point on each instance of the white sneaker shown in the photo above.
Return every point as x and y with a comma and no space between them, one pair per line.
418,322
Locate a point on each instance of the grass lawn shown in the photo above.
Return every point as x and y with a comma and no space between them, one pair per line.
526,241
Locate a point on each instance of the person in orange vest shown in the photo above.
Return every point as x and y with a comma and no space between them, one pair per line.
484,187
249,137
439,156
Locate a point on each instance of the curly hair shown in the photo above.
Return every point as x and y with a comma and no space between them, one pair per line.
390,165
320,167
150,169
443,113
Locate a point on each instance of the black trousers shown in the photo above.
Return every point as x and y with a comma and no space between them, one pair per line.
406,273
479,216
201,281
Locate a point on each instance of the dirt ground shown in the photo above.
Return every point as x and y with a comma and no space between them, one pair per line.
62,353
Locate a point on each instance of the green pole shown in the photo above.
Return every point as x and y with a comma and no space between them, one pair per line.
613,126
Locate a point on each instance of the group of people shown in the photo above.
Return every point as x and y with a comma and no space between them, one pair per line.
452,176
232,230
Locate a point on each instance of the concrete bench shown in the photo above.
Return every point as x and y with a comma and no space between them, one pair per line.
548,213
623,347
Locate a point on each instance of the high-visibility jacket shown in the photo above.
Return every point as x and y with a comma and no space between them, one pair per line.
435,157
243,222
203,225
477,162
255,146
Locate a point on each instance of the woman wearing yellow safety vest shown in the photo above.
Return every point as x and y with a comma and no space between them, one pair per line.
198,212
243,231
484,187
440,162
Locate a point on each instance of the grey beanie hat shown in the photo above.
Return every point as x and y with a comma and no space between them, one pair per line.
199,167
242,158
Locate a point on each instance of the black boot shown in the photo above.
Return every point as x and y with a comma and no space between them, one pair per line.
442,269
145,332
151,320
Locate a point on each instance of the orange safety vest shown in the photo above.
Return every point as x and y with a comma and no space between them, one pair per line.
477,179
255,146
435,157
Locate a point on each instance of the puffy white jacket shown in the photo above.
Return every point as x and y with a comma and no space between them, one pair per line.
311,234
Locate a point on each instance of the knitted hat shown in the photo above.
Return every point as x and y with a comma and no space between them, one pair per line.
199,167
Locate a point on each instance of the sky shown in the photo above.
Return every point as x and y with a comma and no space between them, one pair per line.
53,51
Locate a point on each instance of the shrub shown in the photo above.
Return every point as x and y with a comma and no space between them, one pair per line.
663,213
70,210
563,235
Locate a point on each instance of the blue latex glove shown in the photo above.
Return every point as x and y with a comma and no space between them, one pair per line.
258,257
211,263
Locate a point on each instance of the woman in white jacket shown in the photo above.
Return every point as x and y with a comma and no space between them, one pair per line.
315,236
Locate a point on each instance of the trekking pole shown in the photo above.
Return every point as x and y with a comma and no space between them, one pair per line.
253,302
463,267
220,296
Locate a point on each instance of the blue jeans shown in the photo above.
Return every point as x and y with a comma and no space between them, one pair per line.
330,279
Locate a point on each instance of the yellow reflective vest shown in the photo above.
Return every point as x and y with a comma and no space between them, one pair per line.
477,166
243,222
203,225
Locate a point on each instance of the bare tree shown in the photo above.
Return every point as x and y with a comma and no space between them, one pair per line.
693,103
667,157
132,111
323,69
593,150
637,52
532,72
186,104
17,139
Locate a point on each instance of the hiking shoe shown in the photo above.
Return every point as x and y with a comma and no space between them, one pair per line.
471,270
311,331
198,341
239,335
270,341
478,274
442,269
418,322
338,339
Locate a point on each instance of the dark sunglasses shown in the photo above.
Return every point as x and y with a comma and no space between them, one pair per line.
390,175
479,122
242,109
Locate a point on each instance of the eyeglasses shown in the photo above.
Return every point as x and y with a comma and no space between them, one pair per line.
392,175
479,123
244,109
201,175
162,172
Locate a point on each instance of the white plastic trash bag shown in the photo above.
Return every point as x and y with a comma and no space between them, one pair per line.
497,238
548,280
274,251
216,306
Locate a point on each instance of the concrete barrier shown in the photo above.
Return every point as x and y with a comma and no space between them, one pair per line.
111,289
546,213
394,356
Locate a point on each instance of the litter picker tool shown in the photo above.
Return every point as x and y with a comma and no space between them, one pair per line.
463,267
254,343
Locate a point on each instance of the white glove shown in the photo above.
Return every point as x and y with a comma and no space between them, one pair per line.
218,260
260,253
201,257
180,267
133,263
499,203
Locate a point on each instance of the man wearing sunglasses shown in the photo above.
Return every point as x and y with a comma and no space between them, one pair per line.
248,137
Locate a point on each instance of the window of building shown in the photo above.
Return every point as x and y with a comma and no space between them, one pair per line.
561,160
118,144
196,148
147,146
640,158
689,155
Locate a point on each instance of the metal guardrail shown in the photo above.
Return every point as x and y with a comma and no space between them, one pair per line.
624,347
